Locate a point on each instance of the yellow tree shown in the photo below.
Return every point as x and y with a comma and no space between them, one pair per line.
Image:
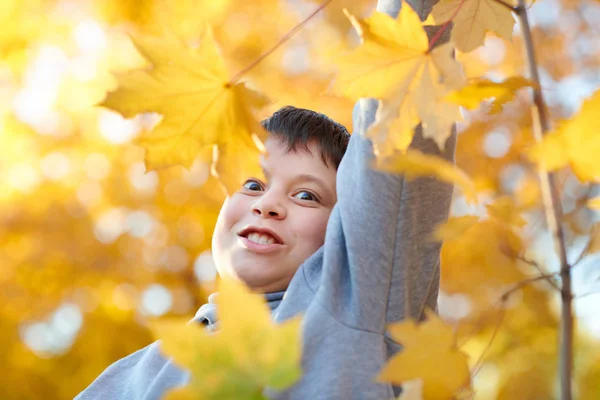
106,221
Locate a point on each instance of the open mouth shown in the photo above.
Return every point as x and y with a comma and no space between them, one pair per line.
260,236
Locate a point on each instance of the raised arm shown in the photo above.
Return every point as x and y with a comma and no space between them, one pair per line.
379,264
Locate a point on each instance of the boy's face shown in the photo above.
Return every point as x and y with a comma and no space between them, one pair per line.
267,229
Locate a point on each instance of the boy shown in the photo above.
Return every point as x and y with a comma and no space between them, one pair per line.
351,252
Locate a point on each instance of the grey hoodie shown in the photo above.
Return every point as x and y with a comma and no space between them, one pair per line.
377,266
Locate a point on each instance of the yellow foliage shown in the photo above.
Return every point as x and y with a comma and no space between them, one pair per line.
214,112
454,227
594,244
426,347
396,65
594,203
247,352
479,89
480,261
84,225
472,19
413,164
575,143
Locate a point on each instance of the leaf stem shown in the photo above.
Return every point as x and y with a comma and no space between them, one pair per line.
281,41
505,4
553,211
443,28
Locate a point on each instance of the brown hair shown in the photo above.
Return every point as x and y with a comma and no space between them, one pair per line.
298,127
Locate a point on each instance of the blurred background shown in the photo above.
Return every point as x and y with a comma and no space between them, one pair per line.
93,246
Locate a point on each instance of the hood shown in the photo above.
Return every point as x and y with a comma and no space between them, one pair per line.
207,314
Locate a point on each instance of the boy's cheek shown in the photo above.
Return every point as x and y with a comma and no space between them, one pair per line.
232,212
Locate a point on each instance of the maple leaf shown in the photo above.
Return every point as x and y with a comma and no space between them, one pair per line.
248,351
414,163
505,209
594,203
472,19
429,354
454,227
395,64
200,108
575,142
594,243
470,96
412,390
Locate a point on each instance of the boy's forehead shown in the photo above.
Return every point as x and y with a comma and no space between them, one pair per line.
297,161
277,147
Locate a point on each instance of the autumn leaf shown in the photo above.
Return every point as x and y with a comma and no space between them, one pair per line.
479,258
395,65
594,245
412,390
575,143
480,89
505,209
200,108
429,354
245,354
472,19
594,203
414,164
454,227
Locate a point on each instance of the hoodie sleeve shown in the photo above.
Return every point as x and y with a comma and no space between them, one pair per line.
145,374
379,264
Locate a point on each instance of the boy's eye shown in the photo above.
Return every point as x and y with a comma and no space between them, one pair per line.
252,185
307,196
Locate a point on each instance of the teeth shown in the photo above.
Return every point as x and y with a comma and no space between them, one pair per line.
261,238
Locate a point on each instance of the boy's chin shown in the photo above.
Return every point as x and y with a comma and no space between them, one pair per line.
261,277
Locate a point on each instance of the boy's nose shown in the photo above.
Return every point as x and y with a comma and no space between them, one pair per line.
268,207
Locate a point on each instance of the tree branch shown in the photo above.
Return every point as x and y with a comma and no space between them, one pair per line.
553,211
549,278
281,41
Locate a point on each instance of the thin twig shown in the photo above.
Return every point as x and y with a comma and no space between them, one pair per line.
281,41
537,266
505,4
501,314
521,284
506,294
553,213
586,294
499,320
583,252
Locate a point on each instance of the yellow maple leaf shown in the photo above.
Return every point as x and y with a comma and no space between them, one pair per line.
594,245
247,352
414,164
429,354
395,64
505,209
575,142
454,227
200,108
479,259
479,89
594,203
472,19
